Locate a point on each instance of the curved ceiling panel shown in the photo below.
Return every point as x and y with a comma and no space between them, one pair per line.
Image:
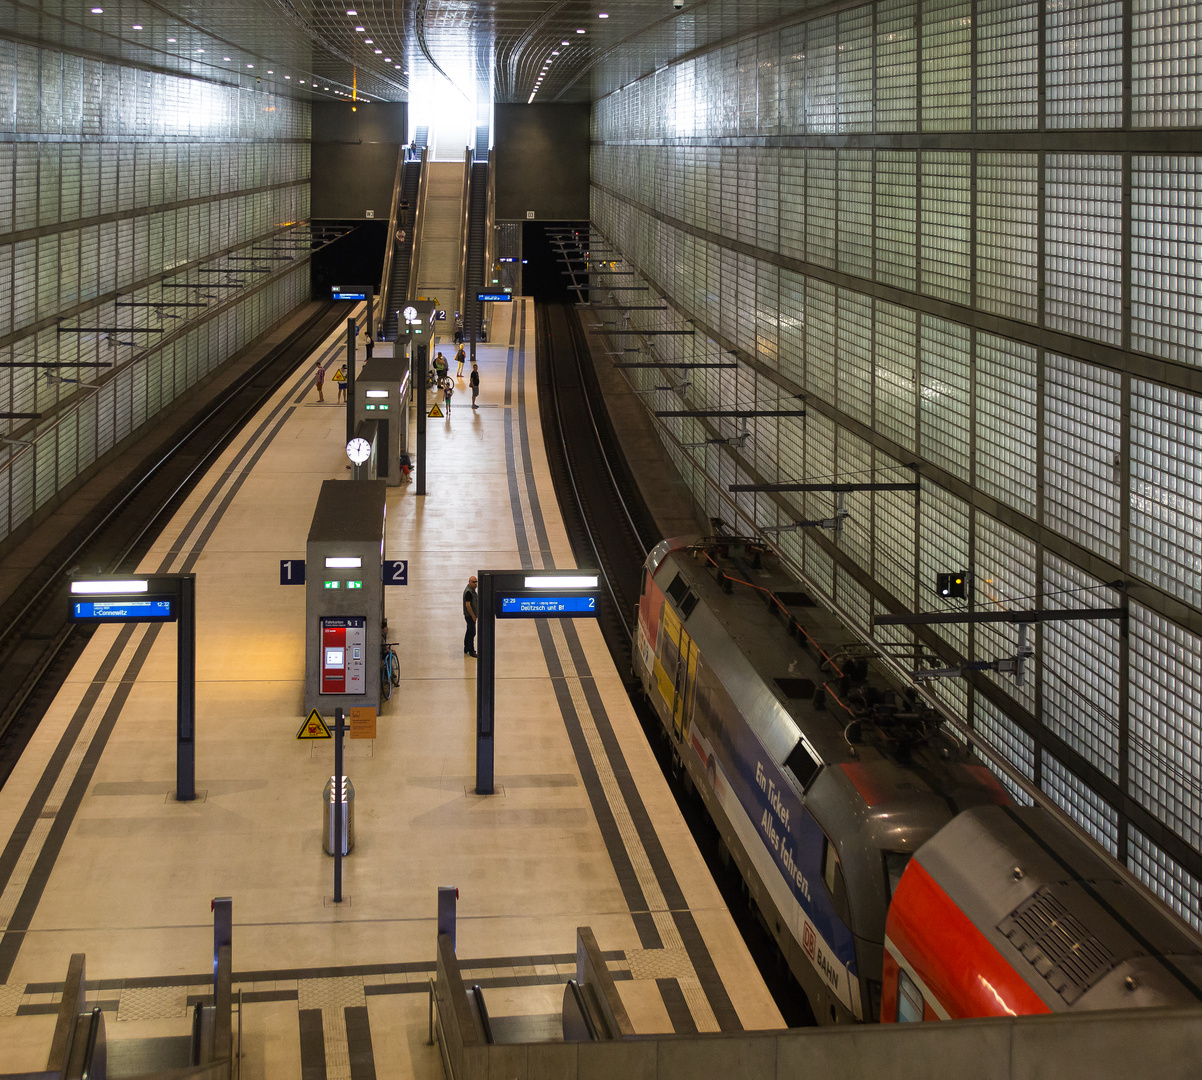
511,50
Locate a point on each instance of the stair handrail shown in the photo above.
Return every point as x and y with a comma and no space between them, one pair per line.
465,210
419,215
381,309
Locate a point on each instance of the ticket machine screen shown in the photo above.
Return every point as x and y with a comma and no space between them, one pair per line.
343,667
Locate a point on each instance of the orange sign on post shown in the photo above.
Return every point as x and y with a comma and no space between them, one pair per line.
363,722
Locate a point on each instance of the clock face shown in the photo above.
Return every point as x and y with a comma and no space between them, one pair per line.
358,450
410,314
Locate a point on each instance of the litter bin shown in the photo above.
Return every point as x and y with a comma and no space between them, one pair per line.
348,816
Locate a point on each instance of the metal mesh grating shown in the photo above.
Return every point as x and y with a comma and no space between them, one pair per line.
1056,944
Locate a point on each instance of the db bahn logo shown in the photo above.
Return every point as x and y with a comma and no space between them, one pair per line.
808,940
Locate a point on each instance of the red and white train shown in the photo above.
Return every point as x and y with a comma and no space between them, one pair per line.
1004,912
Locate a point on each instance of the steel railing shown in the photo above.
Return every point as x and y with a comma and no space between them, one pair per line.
419,215
464,221
381,309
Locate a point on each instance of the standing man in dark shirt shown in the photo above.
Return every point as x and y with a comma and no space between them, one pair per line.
470,615
474,383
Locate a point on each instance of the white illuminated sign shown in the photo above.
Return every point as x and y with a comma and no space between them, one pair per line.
377,393
343,562
108,588
582,582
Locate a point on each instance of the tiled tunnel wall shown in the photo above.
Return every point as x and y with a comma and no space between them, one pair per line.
944,230
115,182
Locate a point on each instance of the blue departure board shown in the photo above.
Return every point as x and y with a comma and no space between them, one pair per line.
547,606
160,608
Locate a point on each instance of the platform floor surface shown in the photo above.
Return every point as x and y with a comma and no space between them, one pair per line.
100,858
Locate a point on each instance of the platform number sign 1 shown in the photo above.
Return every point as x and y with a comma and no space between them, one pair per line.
396,571
292,571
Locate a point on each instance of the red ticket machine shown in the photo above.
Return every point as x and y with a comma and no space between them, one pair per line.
343,657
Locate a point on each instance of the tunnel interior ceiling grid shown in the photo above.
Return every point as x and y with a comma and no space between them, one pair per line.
494,49
115,185
954,246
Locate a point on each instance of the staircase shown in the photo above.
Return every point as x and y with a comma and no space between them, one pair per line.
477,244
442,218
398,283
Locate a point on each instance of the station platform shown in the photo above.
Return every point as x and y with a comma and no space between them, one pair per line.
99,858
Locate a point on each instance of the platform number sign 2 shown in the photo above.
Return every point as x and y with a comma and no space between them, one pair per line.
396,571
292,571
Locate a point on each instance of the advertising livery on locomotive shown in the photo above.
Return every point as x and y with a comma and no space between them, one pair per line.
824,779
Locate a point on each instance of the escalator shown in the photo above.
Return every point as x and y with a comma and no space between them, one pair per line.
402,256
477,246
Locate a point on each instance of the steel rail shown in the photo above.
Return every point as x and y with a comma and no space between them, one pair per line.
55,578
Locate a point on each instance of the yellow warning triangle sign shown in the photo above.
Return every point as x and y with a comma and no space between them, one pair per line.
314,728
436,411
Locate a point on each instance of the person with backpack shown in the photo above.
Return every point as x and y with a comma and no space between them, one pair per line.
460,357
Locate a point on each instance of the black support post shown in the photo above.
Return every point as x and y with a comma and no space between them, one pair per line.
350,379
421,357
185,691
486,669
336,839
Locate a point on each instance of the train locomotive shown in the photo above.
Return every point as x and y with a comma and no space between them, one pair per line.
824,779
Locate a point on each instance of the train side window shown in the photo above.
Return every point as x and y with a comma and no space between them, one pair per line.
910,1005
832,878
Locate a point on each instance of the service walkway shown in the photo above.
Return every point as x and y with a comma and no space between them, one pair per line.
100,859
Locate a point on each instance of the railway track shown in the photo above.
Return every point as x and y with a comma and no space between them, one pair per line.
38,642
607,522
610,527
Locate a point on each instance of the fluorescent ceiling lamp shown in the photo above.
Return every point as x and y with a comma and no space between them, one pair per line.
104,588
377,393
582,582
343,562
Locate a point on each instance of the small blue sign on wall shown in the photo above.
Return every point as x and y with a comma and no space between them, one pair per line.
396,571
292,571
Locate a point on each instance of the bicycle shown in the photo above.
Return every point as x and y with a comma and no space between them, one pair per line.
390,668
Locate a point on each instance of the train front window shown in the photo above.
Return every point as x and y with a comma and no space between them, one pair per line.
895,865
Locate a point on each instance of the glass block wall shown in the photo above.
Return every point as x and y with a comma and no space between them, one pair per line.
942,229
116,184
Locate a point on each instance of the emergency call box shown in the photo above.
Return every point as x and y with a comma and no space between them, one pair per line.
344,596
382,396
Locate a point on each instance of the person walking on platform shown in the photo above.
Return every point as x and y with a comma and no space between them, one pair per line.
469,615
340,379
458,329
474,383
448,388
321,381
460,357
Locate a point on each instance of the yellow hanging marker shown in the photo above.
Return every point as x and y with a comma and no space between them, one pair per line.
436,411
314,728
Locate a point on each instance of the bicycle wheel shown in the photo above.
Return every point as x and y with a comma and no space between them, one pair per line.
385,681
395,667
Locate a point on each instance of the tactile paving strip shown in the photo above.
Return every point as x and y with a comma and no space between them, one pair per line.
153,1003
660,964
11,997
330,993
